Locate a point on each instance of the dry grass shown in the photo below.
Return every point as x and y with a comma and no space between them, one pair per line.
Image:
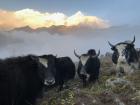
98,93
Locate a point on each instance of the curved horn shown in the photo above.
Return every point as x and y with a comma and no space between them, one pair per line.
110,44
133,41
76,54
96,54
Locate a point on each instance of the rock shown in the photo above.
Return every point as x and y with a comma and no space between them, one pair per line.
118,101
126,69
94,101
113,82
136,96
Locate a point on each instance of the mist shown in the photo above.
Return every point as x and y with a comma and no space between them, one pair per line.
19,43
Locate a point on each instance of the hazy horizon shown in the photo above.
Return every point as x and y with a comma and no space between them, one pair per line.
59,27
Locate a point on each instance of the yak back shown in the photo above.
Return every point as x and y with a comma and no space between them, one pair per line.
92,65
65,68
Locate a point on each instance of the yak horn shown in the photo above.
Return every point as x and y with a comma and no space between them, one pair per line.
133,41
76,54
110,44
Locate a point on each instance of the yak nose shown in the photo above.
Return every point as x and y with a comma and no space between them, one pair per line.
83,71
49,82
122,62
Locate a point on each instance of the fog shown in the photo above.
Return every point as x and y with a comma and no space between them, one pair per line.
18,43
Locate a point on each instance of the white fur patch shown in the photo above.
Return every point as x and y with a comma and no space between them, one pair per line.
44,62
51,82
124,67
121,48
135,65
88,76
84,59
122,62
127,69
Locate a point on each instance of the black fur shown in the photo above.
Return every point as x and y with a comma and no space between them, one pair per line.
62,69
130,53
65,70
115,56
91,67
21,80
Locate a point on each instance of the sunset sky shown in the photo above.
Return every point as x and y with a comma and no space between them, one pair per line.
69,24
116,11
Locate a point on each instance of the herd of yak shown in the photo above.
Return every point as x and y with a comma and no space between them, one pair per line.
22,79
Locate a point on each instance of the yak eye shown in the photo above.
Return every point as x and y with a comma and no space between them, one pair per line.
113,48
124,52
130,46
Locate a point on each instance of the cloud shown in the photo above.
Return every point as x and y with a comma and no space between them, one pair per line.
36,19
6,39
18,43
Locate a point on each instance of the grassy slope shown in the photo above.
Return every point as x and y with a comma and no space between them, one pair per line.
98,93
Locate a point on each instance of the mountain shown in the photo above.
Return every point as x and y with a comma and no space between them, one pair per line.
25,28
63,30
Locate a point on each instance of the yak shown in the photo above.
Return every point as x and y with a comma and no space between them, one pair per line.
21,79
89,66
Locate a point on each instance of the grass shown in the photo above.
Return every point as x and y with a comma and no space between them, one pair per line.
98,93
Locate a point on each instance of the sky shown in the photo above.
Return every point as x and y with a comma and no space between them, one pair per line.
116,11
69,25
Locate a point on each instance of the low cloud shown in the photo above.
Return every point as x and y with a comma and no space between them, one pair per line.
36,19
18,43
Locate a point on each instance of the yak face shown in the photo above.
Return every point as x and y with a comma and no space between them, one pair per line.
83,59
124,52
120,54
48,61
86,62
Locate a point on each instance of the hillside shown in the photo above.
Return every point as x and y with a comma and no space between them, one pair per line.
125,91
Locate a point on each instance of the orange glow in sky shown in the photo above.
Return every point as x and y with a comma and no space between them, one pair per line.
36,19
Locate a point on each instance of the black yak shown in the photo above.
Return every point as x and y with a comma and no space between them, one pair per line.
88,67
21,80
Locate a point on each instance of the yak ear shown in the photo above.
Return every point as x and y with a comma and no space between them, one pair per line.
33,57
43,60
131,45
